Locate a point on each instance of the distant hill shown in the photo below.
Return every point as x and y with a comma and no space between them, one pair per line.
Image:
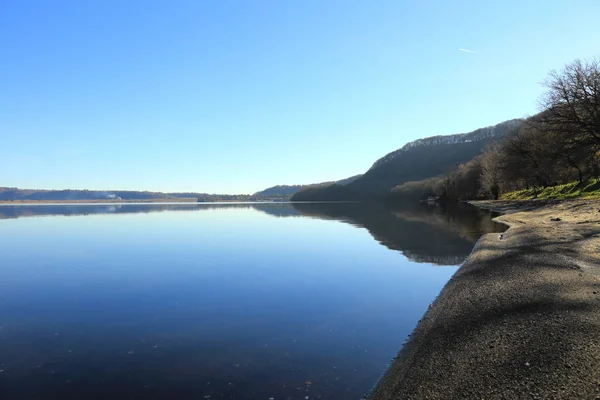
280,190
348,180
275,193
417,160
15,194
289,190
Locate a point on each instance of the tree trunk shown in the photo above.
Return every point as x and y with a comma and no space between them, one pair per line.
579,173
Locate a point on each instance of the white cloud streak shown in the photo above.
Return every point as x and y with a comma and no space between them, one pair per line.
467,51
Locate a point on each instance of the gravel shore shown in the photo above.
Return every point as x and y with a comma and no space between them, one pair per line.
519,320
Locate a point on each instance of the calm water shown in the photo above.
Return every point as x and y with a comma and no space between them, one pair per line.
217,301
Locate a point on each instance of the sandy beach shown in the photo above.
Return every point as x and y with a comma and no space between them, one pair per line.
519,320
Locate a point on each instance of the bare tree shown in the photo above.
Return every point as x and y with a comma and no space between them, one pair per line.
572,104
468,182
448,185
490,165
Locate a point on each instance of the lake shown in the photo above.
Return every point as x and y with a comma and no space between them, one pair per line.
217,301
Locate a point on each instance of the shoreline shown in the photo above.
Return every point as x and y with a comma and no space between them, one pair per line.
519,319
102,201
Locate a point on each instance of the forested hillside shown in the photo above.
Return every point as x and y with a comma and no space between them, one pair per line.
281,190
416,160
289,190
559,145
554,154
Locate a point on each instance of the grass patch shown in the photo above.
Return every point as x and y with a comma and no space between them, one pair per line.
573,190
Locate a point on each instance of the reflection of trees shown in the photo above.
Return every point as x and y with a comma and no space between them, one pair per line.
17,211
467,221
24,210
277,209
437,235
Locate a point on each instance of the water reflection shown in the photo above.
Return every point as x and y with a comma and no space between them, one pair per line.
441,235
32,210
216,301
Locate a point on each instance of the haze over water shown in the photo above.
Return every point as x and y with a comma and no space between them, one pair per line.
251,301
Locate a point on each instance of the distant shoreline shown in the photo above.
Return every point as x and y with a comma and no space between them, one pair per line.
519,319
162,201
111,201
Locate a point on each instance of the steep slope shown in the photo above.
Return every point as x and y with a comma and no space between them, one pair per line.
289,190
280,190
348,180
417,160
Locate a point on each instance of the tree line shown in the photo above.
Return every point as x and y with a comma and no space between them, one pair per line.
559,145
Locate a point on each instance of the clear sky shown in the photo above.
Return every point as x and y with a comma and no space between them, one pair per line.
234,96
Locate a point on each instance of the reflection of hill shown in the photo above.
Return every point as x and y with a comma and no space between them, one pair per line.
436,235
466,221
17,211
277,209
443,236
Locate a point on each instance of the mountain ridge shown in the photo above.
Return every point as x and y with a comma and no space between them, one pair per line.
289,190
417,160
489,132
275,193
16,194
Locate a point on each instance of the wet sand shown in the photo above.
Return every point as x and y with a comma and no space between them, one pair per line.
519,320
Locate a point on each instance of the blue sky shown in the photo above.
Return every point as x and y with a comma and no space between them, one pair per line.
234,96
